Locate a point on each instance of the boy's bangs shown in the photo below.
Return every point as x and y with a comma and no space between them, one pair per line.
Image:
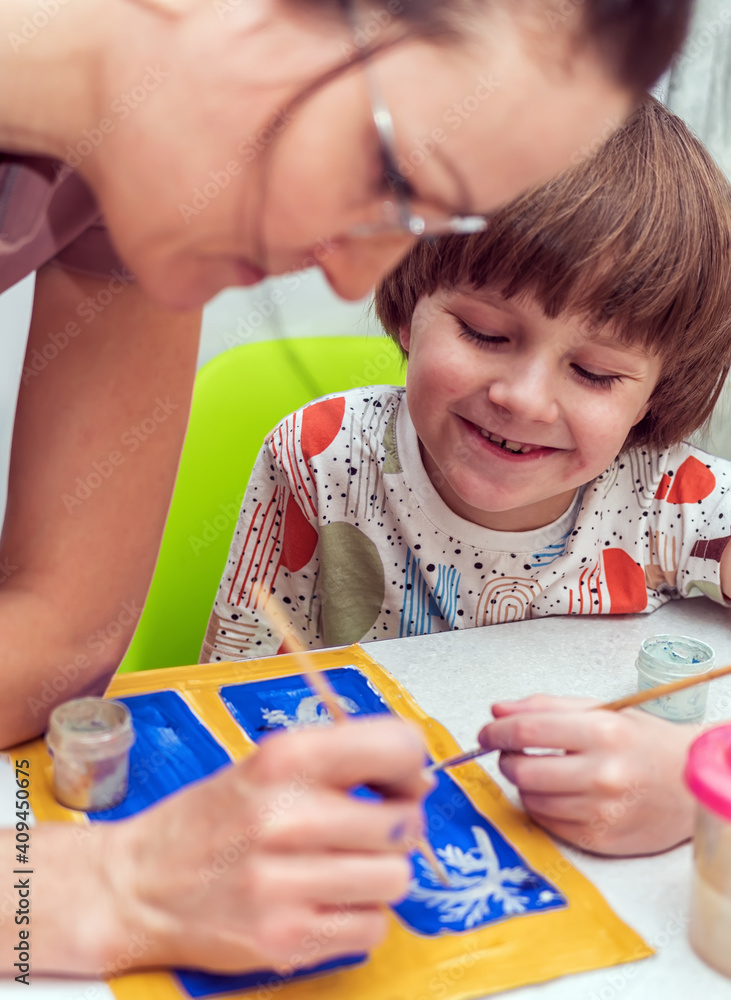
636,238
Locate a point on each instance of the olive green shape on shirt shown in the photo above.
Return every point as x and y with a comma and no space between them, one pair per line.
391,463
707,587
352,586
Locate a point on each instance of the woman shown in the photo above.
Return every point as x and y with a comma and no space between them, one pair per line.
221,142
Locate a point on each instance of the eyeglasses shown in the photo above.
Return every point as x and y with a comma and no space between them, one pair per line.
398,215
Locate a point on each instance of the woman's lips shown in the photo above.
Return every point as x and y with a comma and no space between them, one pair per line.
511,451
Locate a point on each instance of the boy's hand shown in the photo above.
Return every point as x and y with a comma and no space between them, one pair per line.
617,788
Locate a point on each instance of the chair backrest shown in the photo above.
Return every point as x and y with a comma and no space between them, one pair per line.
239,396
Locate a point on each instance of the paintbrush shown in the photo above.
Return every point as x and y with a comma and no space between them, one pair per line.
320,684
610,706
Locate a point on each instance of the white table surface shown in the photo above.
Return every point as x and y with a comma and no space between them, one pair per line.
455,677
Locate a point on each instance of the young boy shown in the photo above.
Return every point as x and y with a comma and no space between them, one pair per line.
534,465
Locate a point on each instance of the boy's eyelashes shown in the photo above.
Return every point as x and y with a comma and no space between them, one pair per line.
593,379
481,338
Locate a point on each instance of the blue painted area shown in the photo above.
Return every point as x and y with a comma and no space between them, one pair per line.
172,749
206,984
261,707
489,880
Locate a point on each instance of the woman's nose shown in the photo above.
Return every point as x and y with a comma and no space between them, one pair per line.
527,389
354,266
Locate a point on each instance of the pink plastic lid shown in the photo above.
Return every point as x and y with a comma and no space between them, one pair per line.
708,770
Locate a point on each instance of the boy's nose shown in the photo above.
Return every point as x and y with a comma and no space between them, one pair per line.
527,390
354,266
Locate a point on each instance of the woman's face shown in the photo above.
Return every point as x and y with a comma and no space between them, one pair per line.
205,184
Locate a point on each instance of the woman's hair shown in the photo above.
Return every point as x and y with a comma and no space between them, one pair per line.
638,236
635,39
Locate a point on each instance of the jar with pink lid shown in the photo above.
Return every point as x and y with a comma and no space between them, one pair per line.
708,776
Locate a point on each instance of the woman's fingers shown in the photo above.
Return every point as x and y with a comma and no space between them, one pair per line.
317,880
326,819
290,938
383,752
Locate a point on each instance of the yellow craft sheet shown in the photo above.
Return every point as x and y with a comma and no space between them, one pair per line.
525,949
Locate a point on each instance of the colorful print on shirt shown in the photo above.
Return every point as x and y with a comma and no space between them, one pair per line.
341,522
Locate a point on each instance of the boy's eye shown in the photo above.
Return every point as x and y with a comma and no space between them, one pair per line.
598,381
475,335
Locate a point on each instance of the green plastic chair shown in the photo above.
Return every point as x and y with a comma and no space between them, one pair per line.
238,397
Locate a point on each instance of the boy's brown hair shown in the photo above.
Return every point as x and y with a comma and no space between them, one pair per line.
638,236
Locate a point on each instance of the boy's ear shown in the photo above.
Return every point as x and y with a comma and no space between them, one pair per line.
643,413
404,335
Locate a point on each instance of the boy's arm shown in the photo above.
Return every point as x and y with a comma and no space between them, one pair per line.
726,571
274,551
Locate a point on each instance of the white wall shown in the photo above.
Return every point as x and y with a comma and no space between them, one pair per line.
15,309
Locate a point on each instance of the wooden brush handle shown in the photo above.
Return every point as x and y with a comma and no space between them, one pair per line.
662,689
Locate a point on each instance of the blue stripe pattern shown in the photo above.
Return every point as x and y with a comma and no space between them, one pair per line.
551,552
420,604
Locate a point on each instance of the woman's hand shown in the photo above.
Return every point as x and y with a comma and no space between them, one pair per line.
270,863
617,789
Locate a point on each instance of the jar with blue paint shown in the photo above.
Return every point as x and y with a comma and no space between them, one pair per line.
666,658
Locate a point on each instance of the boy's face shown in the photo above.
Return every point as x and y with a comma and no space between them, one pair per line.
483,369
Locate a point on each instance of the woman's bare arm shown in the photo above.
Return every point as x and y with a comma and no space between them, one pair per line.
101,417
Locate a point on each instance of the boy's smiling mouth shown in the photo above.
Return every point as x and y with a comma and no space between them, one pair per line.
507,447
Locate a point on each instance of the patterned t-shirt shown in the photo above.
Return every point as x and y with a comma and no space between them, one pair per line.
341,522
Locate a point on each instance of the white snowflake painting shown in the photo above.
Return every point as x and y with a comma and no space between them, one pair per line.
488,879
309,711
479,889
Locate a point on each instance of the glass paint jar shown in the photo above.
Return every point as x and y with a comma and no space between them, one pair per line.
708,776
89,740
666,658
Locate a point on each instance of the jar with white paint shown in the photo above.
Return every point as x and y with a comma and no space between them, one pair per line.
666,658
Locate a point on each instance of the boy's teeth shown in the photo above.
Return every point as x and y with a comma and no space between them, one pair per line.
514,446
